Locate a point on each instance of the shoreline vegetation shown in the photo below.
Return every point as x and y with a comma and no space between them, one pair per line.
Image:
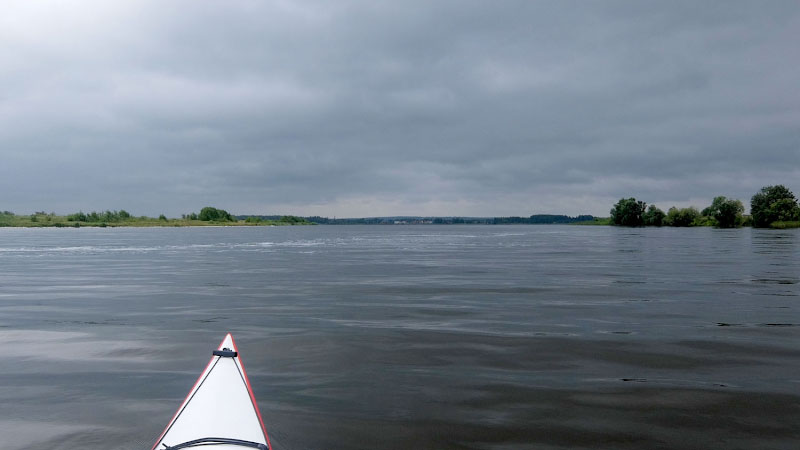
208,216
772,207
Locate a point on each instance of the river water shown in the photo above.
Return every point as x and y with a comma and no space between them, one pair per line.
398,337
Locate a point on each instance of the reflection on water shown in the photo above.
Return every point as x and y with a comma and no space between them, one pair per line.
408,336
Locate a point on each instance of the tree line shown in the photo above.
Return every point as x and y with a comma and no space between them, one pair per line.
210,214
542,219
772,206
104,216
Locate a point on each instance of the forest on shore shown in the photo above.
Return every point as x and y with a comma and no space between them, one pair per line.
771,207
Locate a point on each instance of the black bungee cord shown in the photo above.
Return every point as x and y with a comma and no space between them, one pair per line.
216,441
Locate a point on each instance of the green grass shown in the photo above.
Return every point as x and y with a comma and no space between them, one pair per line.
52,220
781,225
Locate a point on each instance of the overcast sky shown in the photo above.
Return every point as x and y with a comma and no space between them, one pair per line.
355,109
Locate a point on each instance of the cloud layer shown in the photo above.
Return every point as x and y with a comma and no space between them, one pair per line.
382,108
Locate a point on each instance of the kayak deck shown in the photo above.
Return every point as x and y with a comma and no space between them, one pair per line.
220,405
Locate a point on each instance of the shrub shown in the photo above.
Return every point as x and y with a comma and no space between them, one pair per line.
772,204
726,212
653,216
683,217
208,213
628,212
292,219
729,214
77,217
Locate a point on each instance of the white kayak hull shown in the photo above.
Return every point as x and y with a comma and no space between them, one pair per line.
220,405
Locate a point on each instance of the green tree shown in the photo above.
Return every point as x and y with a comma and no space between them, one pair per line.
727,212
77,217
292,219
628,212
785,210
711,210
208,213
773,203
683,217
162,218
653,216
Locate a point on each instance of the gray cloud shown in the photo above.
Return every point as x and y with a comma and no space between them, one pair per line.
377,108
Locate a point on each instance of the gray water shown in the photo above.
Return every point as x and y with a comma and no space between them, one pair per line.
398,337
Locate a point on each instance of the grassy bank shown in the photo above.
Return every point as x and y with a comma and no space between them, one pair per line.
784,225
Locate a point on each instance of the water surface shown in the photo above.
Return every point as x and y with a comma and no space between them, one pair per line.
390,337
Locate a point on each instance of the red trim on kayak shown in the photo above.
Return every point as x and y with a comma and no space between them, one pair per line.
250,391
183,405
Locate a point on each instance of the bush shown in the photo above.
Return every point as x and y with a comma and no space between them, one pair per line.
704,221
252,219
772,204
208,214
628,212
94,216
293,219
727,212
683,217
653,216
77,217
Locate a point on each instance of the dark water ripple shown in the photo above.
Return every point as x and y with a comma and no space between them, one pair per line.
546,337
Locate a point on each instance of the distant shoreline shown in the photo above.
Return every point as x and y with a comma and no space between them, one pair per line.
779,226
119,219
214,217
112,219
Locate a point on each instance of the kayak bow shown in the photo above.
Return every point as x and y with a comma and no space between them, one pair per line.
221,403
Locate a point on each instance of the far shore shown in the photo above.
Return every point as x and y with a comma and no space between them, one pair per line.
121,219
113,219
172,223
